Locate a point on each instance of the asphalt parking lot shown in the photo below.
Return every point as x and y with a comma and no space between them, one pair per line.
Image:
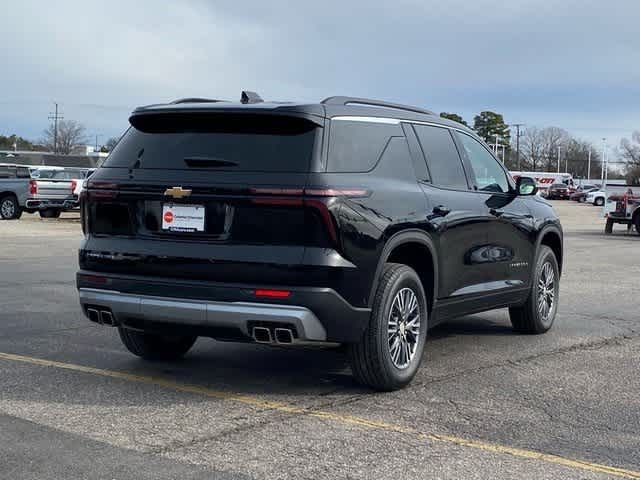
487,403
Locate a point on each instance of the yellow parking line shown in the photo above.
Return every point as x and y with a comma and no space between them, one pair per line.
336,417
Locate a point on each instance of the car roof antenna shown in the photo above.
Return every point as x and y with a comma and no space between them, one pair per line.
250,97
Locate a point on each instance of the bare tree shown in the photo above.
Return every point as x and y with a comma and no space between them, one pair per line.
629,151
576,159
70,135
531,149
539,147
539,152
555,142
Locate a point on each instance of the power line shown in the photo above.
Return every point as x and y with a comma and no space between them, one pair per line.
55,117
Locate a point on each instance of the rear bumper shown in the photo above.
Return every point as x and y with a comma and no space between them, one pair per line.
44,203
220,310
203,314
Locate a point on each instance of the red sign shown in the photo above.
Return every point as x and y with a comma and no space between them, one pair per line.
168,217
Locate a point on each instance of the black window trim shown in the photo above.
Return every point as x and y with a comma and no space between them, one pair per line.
420,166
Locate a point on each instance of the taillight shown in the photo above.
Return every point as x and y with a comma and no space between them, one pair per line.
102,189
33,187
314,197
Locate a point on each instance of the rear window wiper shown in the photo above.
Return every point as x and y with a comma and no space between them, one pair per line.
208,162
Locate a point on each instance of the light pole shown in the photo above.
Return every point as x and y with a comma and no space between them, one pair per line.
589,166
558,158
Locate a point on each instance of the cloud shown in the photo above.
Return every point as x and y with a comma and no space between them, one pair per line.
549,62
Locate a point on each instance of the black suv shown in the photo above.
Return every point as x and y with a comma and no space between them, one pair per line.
349,221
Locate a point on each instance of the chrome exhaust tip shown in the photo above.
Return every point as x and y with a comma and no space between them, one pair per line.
262,335
93,315
106,318
283,335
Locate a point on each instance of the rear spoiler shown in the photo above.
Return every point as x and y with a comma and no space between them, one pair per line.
141,119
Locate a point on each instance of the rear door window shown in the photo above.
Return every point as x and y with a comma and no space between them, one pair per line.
355,146
442,157
234,142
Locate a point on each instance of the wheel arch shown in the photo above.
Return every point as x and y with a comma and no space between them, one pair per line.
408,247
551,236
8,193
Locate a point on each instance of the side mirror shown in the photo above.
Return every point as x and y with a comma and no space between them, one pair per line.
526,186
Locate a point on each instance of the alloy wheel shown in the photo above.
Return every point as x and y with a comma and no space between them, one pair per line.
546,293
403,328
8,209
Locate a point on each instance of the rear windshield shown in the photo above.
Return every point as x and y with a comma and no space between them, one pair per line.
257,143
59,174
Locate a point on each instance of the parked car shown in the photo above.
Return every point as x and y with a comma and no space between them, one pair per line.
14,191
349,221
558,191
580,195
53,190
596,197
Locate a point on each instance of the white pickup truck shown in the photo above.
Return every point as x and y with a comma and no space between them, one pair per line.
53,190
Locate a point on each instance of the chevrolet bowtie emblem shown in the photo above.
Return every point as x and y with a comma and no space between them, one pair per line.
177,192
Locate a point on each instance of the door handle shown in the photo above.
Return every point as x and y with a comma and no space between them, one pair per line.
441,210
497,213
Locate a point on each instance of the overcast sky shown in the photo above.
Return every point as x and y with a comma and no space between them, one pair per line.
568,63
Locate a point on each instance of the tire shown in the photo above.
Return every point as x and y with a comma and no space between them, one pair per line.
598,201
9,208
50,213
636,223
529,318
371,359
155,347
608,227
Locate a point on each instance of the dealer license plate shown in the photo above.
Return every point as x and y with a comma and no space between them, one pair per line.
183,218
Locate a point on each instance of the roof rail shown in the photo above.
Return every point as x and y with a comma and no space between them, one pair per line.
195,100
377,103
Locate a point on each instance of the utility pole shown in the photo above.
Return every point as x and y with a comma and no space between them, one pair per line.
518,135
97,135
558,158
589,166
55,117
604,148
